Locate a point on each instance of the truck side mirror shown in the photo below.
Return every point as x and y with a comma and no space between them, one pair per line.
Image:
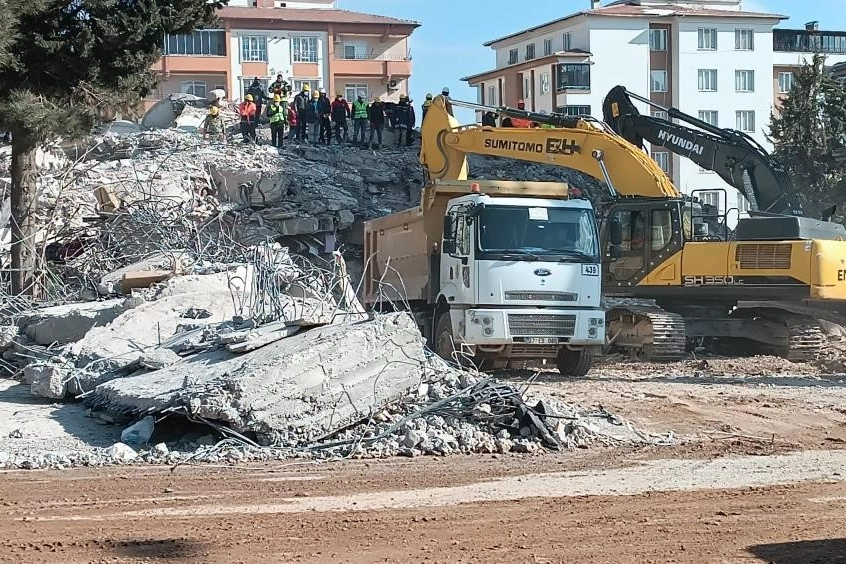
615,232
449,227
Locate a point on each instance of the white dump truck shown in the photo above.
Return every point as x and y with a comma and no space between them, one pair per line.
493,271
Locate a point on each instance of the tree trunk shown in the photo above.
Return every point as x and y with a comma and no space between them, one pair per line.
24,260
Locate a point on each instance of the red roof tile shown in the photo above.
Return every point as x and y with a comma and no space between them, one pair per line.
310,15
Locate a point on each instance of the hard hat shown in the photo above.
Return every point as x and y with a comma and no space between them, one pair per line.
321,90
306,87
377,99
403,97
429,96
214,110
248,97
338,95
445,90
520,102
277,98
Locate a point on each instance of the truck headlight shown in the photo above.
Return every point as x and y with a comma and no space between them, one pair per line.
488,331
597,321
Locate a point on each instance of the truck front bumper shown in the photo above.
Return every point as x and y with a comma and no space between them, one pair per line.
577,327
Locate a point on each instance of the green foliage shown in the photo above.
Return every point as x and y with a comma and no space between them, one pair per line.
67,61
809,131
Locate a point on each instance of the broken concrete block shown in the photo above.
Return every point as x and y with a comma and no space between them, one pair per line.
68,323
143,279
345,219
120,452
47,381
299,226
7,336
318,380
172,261
157,359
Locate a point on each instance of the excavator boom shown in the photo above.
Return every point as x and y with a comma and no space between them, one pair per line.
579,144
737,158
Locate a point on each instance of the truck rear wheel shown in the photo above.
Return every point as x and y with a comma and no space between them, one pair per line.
574,362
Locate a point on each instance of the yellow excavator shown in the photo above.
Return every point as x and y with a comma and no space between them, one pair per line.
676,279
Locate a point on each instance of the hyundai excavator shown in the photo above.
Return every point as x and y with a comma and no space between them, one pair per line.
670,281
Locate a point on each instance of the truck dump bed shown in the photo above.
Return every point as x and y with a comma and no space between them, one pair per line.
400,249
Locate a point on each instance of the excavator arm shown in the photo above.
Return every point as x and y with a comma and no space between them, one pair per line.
576,143
737,158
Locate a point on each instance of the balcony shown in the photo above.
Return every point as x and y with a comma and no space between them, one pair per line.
809,41
364,63
191,64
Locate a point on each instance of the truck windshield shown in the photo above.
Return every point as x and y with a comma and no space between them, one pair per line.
565,232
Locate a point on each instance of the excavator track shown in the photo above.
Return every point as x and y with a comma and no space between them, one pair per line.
805,336
645,329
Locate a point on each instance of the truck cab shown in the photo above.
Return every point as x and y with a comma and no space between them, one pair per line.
513,273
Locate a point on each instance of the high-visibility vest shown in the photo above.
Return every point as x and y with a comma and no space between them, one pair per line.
359,110
274,113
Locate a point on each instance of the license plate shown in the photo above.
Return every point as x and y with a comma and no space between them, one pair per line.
542,340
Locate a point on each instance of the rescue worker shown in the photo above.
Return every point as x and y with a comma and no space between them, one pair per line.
401,117
293,124
489,119
277,115
376,115
247,111
213,125
280,87
258,95
325,118
311,118
360,116
412,121
520,122
340,111
301,100
426,103
448,104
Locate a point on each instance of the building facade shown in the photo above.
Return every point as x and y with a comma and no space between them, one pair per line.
708,58
308,42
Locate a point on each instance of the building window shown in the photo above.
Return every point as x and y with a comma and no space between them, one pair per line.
202,42
745,121
492,101
254,48
663,160
660,114
544,83
353,91
530,51
573,110
709,197
707,80
352,52
195,87
657,39
792,41
568,42
573,76
527,87
312,84
305,49
547,47
707,39
659,81
709,116
512,57
247,82
744,81
744,40
785,82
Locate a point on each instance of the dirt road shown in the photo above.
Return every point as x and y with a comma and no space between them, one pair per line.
468,509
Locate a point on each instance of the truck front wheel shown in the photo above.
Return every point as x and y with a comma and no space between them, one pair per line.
574,362
443,339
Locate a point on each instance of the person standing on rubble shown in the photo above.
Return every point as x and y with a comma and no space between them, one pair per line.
213,125
426,103
247,111
277,115
447,103
340,111
280,87
360,116
311,118
401,119
301,100
376,115
293,123
412,121
325,118
258,95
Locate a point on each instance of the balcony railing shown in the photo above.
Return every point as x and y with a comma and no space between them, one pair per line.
372,56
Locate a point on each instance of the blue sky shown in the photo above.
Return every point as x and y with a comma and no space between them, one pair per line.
448,45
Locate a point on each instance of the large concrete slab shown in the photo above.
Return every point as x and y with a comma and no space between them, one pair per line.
66,323
316,381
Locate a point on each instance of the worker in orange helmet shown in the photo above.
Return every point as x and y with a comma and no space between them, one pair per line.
520,122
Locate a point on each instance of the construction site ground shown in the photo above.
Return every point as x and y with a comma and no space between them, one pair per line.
755,474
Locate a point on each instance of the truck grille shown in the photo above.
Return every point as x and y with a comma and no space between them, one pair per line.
527,325
763,257
542,296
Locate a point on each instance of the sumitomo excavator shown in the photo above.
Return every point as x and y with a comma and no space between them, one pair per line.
672,280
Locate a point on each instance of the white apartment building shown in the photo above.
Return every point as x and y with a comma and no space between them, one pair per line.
708,58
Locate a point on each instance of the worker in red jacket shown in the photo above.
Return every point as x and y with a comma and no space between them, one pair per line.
293,123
